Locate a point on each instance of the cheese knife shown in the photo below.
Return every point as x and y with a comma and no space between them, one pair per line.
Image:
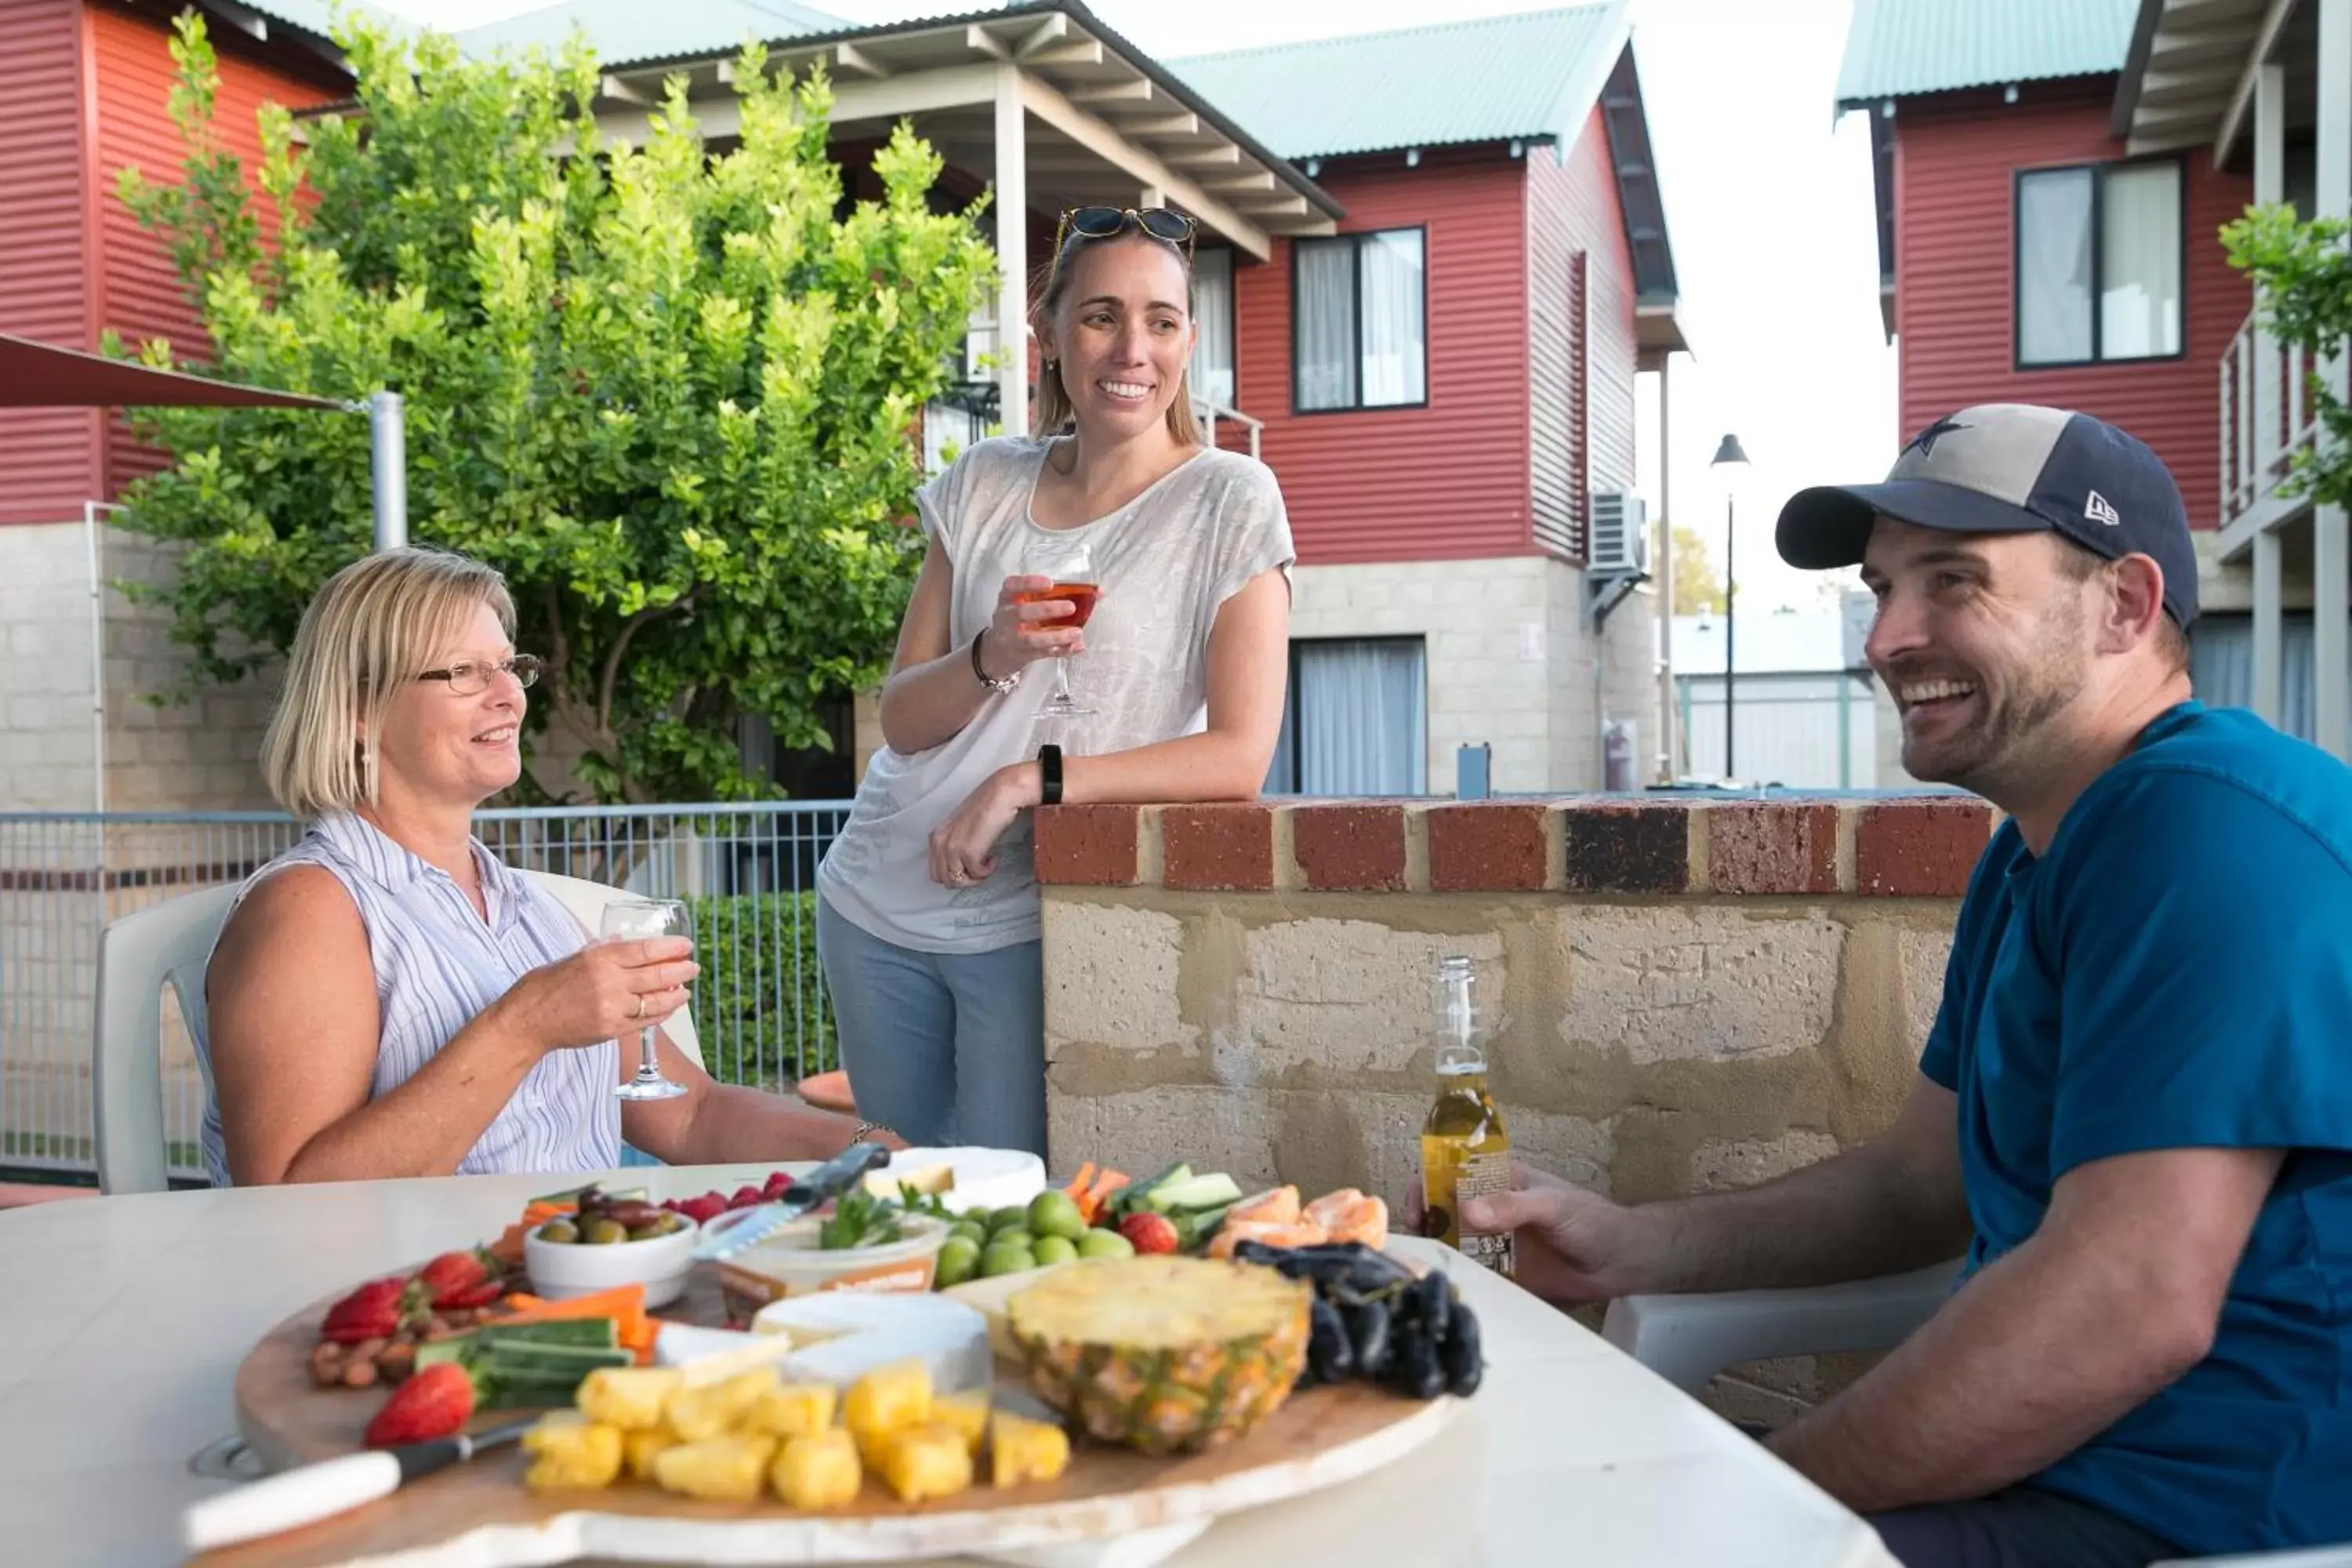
749,1226
308,1493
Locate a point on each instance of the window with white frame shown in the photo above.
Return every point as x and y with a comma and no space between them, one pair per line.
1359,321
2099,259
1355,721
1212,313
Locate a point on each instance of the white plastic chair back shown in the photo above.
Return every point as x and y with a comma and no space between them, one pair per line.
586,900
1686,1340
138,955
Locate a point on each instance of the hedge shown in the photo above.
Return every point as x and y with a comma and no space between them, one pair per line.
759,1006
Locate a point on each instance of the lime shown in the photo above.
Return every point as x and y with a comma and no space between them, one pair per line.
1053,1249
1056,1213
972,1230
1105,1244
1000,1258
1013,1235
959,1261
1004,1219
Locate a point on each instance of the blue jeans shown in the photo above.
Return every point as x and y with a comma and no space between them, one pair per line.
943,1048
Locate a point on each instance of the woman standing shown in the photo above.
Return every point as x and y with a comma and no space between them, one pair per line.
928,914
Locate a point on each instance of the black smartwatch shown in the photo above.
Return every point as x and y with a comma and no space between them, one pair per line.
1049,768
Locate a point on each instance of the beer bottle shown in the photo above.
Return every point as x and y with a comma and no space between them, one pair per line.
1464,1151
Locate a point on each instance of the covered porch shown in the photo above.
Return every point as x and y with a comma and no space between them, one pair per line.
2266,84
1050,110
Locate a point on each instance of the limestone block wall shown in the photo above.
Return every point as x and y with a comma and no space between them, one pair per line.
1511,659
1683,996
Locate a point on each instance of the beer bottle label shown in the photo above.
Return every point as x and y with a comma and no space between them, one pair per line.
1482,1175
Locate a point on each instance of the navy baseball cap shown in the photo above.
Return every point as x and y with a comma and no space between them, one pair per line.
2012,467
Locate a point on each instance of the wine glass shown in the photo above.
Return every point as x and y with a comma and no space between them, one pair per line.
635,919
1072,570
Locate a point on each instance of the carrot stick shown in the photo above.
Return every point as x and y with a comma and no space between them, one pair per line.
1081,1183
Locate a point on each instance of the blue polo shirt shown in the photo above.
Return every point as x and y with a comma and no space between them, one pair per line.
2177,972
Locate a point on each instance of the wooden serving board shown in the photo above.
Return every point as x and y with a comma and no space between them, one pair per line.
480,1515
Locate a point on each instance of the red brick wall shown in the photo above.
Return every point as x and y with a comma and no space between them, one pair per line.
1918,847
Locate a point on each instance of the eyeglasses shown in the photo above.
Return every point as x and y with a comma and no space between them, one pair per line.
1104,223
472,680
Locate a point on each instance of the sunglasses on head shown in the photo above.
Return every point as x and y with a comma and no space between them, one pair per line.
1104,223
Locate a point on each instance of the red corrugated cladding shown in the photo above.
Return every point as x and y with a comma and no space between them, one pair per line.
1447,481
1580,350
1955,161
140,294
49,456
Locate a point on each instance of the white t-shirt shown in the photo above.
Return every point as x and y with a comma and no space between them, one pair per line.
1166,560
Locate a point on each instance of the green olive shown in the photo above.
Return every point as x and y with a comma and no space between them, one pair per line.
562,1230
646,1232
604,1232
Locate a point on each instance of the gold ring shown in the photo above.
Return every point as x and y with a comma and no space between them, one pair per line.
641,1007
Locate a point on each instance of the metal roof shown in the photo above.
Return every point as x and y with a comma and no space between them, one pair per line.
1530,76
622,32
1896,48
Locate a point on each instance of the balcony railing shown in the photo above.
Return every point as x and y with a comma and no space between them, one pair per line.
2266,416
1211,415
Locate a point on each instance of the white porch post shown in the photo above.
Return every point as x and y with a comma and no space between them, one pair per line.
1012,250
2270,185
1670,738
2331,551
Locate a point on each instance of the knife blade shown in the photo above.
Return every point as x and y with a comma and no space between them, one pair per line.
814,1190
308,1493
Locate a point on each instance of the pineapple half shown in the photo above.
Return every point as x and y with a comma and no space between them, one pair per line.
1162,1353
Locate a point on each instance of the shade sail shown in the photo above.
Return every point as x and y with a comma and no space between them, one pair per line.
43,375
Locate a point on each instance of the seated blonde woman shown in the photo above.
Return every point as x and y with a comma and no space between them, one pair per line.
387,998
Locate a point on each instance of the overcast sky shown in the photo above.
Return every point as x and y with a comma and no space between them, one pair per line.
1768,206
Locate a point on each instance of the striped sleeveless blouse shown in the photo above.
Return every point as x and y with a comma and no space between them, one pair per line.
437,965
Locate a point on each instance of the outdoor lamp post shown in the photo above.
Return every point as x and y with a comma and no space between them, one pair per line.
1730,466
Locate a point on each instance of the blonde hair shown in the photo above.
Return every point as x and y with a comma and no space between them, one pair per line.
367,633
1051,412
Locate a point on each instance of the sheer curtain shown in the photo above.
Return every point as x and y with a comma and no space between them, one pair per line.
1393,353
2053,267
1327,323
2222,667
1362,717
1212,312
2139,239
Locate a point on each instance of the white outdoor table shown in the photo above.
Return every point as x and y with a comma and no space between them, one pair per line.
123,1320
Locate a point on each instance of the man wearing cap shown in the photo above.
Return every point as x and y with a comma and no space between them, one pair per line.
2133,1112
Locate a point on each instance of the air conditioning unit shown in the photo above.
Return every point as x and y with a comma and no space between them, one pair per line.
1620,535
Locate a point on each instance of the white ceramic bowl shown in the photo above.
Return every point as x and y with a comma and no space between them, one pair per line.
562,1269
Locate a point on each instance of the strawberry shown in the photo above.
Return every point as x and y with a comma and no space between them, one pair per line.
745,1197
456,1279
1149,1232
709,1206
777,1183
435,1402
374,1311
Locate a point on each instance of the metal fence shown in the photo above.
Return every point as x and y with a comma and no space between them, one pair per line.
747,871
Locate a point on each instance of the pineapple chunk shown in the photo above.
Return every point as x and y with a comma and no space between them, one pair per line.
818,1470
886,1400
966,1412
923,1462
718,1470
628,1397
698,1413
569,1452
1021,1450
793,1410
641,1449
